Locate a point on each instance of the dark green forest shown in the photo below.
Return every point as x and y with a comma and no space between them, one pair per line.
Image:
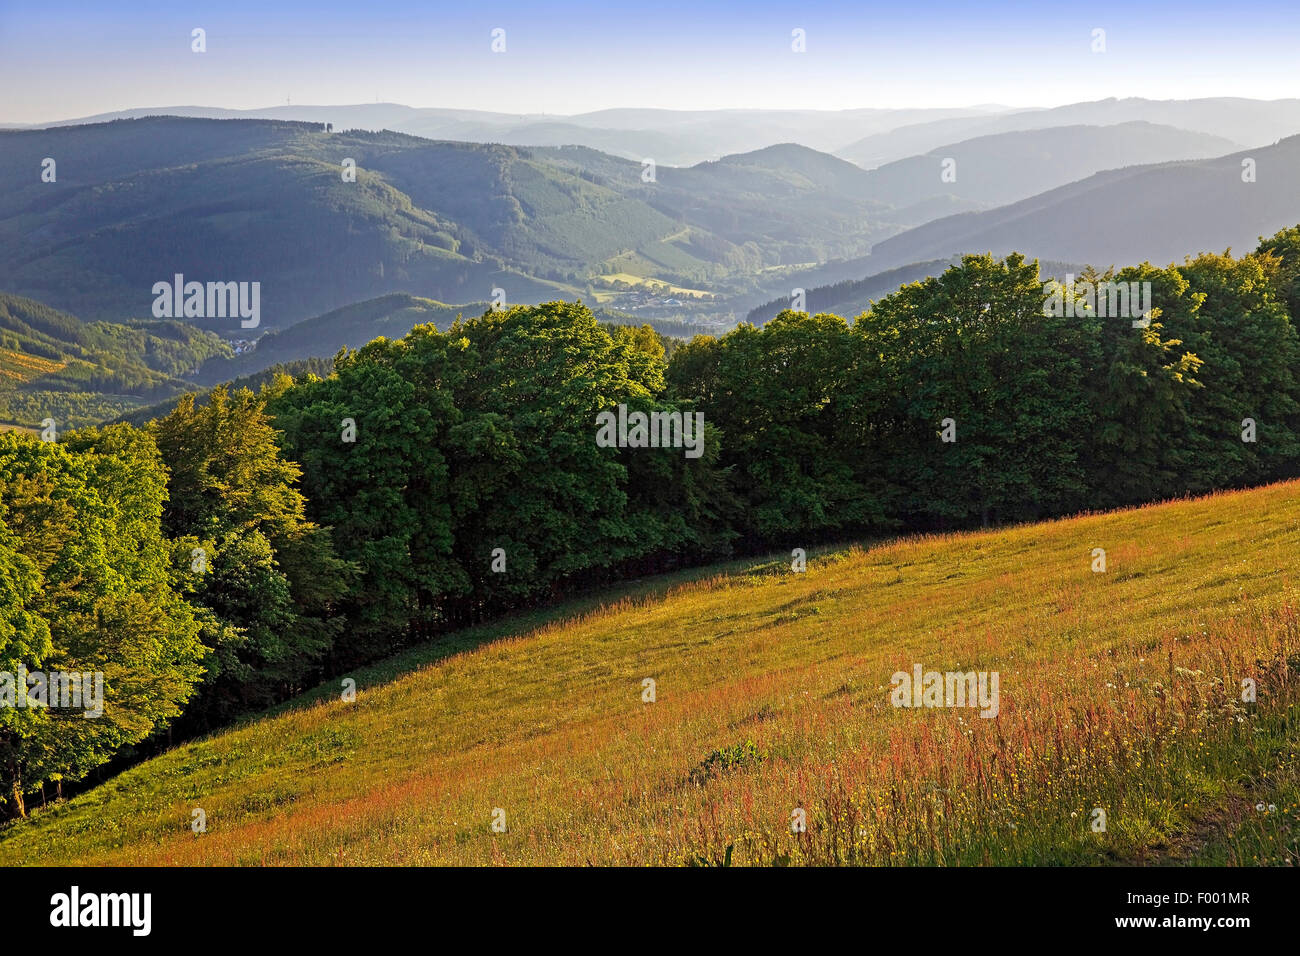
223,556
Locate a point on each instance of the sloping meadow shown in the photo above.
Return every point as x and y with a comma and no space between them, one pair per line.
749,717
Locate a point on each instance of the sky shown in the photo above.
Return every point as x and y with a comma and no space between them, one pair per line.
71,58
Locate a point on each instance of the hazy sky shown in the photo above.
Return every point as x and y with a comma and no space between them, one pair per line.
65,58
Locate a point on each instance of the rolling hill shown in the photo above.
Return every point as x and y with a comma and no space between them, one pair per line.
53,365
670,137
767,735
1005,167
1251,122
866,137
137,201
1156,212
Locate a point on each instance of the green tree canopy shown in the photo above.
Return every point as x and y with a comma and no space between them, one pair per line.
84,560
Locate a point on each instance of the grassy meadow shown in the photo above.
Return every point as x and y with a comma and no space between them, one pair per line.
1119,690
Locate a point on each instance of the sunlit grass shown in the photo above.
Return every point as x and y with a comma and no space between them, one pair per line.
22,367
1120,691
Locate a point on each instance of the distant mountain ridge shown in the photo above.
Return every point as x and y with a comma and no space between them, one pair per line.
866,137
1159,212
670,137
1250,122
1000,168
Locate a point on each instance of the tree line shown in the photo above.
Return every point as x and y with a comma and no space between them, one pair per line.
230,554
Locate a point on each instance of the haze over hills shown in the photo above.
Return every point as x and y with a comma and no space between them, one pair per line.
866,137
1249,122
669,137
1159,212
1004,167
431,222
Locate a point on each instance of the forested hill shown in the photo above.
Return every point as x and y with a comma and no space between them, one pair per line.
1159,212
53,365
136,201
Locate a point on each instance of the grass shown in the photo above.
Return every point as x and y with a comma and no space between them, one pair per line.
20,367
650,285
1119,691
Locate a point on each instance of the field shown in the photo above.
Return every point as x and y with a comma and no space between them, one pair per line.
18,367
644,284
1120,691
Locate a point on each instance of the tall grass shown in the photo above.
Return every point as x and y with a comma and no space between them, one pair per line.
1120,692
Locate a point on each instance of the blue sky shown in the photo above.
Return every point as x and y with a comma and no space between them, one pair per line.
73,58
